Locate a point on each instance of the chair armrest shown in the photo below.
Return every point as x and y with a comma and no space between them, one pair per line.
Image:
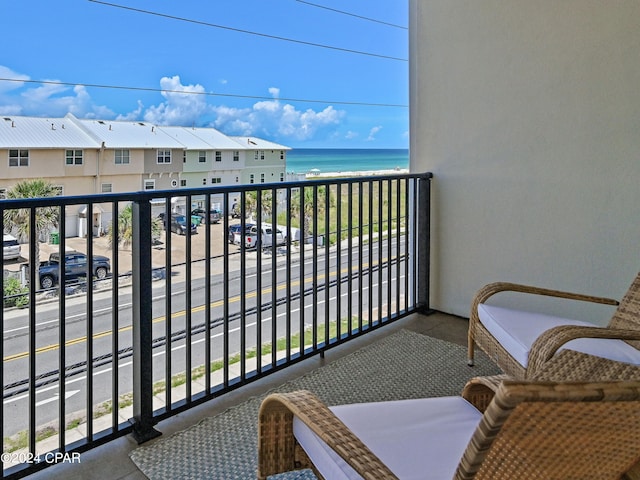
479,391
550,341
493,288
276,415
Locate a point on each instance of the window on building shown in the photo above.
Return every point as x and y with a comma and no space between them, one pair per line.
74,157
18,158
237,179
107,187
183,183
122,157
149,184
202,156
218,156
281,154
255,155
261,154
204,181
216,180
236,156
282,176
251,178
262,178
164,156
184,156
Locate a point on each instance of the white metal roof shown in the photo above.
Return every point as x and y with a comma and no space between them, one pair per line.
254,143
217,139
73,132
119,134
200,138
41,132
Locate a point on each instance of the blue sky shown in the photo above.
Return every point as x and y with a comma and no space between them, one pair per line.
291,93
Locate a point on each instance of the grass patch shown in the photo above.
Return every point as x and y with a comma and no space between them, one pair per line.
18,441
383,208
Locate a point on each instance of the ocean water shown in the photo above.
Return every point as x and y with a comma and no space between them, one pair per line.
324,160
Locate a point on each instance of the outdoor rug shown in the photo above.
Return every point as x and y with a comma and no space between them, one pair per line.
402,365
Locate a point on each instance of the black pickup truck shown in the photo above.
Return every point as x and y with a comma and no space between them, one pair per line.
75,266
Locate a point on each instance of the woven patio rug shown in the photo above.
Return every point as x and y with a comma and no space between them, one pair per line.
402,365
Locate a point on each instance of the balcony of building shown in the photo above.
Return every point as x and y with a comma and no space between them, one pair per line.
112,459
527,115
148,321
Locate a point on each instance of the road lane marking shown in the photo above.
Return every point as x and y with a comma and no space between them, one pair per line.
79,340
56,397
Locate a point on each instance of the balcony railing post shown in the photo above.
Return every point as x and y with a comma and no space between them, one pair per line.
424,244
142,420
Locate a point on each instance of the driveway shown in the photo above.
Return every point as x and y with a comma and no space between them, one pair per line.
101,247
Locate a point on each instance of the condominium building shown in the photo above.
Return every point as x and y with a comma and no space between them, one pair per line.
87,156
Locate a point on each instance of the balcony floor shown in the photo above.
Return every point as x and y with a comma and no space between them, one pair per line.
111,461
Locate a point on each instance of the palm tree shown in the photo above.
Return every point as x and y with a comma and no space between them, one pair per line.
18,220
125,228
251,203
309,208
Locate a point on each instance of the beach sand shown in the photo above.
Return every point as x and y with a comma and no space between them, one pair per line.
363,173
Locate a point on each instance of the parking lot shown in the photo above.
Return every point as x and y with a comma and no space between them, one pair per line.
101,247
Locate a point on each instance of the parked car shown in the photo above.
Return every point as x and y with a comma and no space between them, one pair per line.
10,248
234,230
262,238
214,215
75,266
178,223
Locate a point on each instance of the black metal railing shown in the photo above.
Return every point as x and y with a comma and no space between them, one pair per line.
184,317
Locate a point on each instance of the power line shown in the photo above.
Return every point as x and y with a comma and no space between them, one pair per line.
248,32
354,15
211,94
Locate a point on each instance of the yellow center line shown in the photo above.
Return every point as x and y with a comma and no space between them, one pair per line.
217,303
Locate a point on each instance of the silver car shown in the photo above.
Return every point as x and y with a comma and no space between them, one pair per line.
10,248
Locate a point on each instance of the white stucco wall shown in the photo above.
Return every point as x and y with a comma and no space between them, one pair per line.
528,114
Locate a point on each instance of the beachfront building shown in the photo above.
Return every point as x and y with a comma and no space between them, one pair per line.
209,158
265,161
87,156
145,156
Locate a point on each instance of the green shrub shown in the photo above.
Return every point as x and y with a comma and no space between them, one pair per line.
15,295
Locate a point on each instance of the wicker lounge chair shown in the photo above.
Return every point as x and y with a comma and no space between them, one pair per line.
517,340
528,430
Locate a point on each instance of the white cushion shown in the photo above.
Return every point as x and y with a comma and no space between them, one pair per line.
516,330
416,439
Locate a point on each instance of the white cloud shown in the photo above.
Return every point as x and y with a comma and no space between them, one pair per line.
10,110
272,118
180,108
61,99
351,135
6,72
21,98
373,132
133,115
